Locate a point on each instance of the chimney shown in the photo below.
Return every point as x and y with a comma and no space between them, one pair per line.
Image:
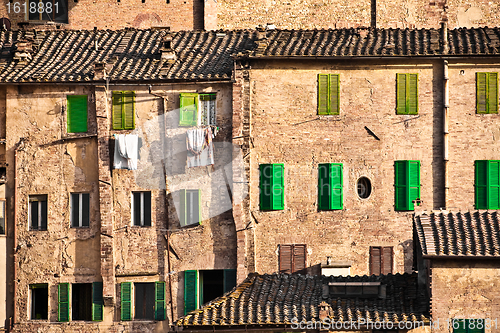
99,71
23,50
167,52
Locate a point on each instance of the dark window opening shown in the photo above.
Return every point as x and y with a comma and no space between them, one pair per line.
81,301
212,285
80,210
39,301
364,188
141,208
48,10
2,217
38,212
144,301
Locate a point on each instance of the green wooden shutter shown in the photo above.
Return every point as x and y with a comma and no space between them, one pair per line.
336,172
77,113
494,185
330,187
126,300
63,302
413,182
160,300
323,89
334,93
412,91
324,190
459,325
188,115
481,184
278,187
266,173
482,92
493,92
128,110
406,183
190,291
117,110
401,93
229,279
97,301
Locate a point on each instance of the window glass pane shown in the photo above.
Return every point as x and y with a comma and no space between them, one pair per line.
75,210
85,210
39,301
34,215
147,208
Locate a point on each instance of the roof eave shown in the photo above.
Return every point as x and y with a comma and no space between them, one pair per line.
463,257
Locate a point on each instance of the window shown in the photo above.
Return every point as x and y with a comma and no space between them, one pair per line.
364,187
197,109
407,94
38,212
468,325
86,301
407,184
292,258
272,187
141,208
487,92
77,113
330,186
148,299
487,184
80,210
380,260
2,217
190,207
201,287
39,301
328,94
47,10
123,110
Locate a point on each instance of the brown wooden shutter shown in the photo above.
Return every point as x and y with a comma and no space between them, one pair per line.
299,257
285,259
375,259
386,260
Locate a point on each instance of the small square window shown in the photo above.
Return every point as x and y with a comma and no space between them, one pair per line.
141,208
39,301
38,212
80,210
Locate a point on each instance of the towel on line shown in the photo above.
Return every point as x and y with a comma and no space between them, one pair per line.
126,151
200,147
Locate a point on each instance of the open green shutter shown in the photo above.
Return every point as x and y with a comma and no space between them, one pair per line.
493,92
401,93
77,113
63,302
188,115
412,92
97,301
494,185
190,291
278,187
400,186
266,174
413,182
481,92
229,279
336,182
159,300
481,184
334,94
128,110
323,89
324,190
126,300
117,110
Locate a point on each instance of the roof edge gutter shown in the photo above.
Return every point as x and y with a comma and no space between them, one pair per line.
471,257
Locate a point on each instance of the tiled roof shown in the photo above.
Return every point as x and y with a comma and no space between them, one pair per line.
69,55
279,298
459,234
363,42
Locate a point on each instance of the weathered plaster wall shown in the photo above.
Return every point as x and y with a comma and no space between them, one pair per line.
465,289
285,128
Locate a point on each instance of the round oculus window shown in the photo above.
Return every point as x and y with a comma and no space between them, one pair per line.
364,187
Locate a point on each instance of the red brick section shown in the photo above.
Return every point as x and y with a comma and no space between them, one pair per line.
105,196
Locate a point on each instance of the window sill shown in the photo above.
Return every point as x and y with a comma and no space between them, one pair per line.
73,136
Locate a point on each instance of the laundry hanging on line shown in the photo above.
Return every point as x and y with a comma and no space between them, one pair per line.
200,147
126,151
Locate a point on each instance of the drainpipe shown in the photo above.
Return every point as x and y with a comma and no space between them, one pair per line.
14,314
446,106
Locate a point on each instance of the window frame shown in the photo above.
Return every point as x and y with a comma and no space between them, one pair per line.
185,211
75,118
492,191
118,105
41,218
329,94
486,95
289,265
269,200
81,196
381,260
409,92
200,108
128,306
407,185
146,217
31,300
331,200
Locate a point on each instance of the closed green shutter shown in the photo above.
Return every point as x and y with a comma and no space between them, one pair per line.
407,93
487,92
77,113
266,172
159,300
97,301
406,184
126,301
117,111
328,94
493,92
188,115
229,279
190,291
330,189
487,184
323,94
128,110
278,187
334,94
63,302
272,187
494,185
